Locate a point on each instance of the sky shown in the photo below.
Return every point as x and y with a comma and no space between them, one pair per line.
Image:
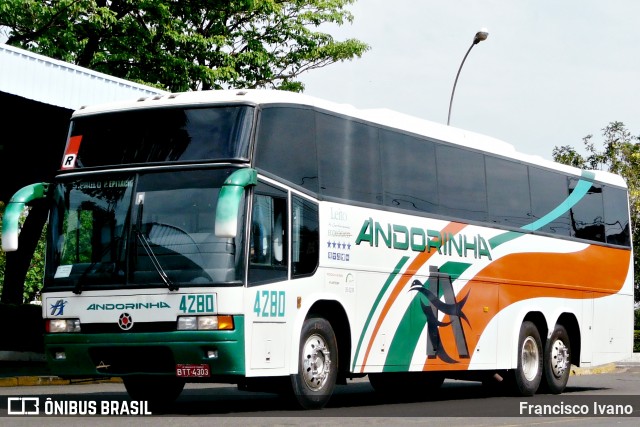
550,73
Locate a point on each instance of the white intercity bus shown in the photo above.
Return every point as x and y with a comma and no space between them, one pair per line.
285,243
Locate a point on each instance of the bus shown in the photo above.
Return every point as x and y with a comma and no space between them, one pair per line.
284,243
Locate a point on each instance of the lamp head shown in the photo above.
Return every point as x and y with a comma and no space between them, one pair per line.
481,35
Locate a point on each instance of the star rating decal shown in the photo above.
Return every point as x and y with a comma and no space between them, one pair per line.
338,245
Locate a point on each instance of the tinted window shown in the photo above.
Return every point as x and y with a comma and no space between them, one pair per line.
349,159
305,239
587,216
616,216
174,216
267,245
548,192
161,135
508,192
461,183
286,145
409,174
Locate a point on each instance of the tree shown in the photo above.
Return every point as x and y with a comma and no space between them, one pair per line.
185,45
621,155
35,272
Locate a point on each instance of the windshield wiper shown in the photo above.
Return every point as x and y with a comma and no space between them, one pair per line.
77,289
156,264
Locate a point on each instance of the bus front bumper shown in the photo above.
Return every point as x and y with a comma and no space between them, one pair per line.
81,355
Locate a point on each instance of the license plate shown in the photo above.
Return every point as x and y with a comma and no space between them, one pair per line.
193,371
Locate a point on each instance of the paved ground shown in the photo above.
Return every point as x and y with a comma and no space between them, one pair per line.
25,380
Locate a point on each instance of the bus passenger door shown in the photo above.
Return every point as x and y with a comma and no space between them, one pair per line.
267,278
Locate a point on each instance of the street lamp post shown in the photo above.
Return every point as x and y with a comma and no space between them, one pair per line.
480,36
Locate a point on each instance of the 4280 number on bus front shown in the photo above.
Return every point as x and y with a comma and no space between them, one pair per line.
197,303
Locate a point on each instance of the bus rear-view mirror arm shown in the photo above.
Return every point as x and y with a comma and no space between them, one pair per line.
229,201
14,210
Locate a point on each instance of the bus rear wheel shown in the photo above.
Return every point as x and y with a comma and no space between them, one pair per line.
528,375
315,381
557,361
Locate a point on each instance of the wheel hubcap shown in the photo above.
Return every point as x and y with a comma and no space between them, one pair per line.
316,362
559,358
530,357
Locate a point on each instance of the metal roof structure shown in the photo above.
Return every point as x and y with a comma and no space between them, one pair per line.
53,82
38,95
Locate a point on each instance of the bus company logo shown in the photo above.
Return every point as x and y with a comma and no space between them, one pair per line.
128,306
125,321
401,237
57,309
440,284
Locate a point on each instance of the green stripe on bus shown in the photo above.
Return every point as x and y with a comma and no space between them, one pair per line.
386,285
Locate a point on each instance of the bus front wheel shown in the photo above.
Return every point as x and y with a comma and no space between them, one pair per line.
557,361
317,364
528,375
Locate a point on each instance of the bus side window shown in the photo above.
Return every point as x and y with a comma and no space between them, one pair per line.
305,239
260,230
267,244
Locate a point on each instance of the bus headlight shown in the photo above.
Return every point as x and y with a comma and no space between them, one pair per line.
62,325
205,323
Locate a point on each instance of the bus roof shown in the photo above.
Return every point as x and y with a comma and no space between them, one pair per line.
382,116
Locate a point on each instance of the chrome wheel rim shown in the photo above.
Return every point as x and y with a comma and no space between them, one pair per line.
316,362
559,358
529,358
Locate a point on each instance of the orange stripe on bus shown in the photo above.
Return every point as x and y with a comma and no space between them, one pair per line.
416,264
596,271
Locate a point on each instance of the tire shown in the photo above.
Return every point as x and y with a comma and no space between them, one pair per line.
315,381
557,361
158,391
528,375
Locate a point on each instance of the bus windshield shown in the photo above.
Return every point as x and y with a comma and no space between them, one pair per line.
161,135
145,229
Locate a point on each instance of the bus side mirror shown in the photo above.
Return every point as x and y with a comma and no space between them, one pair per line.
15,209
229,201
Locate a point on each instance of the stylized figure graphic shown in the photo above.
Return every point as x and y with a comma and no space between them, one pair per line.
441,283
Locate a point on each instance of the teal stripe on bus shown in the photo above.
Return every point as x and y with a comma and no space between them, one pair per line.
386,285
576,195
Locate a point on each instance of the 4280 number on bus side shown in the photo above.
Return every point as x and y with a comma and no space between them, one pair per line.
269,304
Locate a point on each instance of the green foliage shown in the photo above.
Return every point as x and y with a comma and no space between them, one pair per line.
636,341
186,45
35,274
621,155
